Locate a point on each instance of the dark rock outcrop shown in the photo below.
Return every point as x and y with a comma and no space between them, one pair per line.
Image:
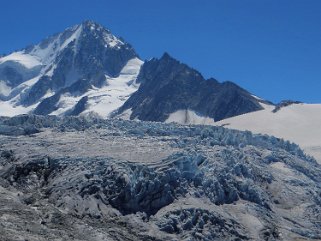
168,86
285,103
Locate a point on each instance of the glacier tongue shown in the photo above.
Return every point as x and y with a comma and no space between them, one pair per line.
83,177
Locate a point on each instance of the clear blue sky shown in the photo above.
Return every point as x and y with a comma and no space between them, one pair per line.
270,47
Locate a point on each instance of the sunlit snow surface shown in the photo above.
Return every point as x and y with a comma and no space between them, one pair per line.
55,45
109,98
300,123
4,88
27,60
102,101
189,117
42,55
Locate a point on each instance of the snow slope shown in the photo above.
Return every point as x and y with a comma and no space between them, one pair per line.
43,55
27,60
299,123
103,101
4,88
56,44
7,108
40,57
109,98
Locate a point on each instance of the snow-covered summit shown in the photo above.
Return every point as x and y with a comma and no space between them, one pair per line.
98,30
87,69
47,50
78,60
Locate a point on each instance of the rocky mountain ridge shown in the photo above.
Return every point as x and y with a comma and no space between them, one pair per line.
87,70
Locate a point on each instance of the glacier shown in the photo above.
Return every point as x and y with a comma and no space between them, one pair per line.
87,178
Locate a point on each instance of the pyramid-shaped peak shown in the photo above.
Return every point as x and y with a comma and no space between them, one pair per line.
95,32
90,23
92,26
166,56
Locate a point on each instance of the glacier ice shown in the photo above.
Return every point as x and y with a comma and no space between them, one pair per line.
85,178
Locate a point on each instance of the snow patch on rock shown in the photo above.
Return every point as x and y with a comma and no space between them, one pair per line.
189,117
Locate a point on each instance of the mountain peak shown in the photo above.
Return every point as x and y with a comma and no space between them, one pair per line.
72,62
93,26
88,60
87,31
167,57
89,22
97,32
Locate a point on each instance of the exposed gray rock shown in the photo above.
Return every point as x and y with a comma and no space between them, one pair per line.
79,107
285,103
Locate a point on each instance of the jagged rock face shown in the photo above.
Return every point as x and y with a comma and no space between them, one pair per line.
151,181
168,86
100,51
86,70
